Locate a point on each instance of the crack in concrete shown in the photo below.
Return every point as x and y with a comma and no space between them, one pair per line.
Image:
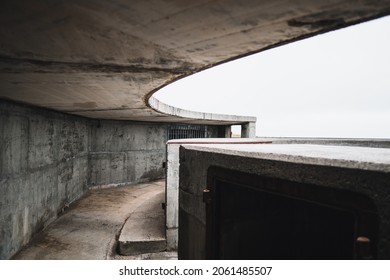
107,109
22,65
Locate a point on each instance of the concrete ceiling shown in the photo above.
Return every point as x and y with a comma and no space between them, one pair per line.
104,59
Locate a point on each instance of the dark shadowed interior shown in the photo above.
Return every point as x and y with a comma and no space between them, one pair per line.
256,217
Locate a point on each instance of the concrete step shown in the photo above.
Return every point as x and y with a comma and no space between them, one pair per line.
166,255
144,230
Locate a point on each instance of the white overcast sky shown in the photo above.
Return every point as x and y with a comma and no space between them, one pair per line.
332,85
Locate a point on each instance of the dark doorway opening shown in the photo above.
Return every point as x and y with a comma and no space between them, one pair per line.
254,217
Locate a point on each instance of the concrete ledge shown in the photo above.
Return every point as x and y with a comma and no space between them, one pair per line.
364,158
144,230
141,247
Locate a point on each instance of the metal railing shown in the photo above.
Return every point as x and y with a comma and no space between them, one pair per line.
185,131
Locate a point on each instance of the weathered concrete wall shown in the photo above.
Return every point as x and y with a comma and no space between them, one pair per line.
123,152
43,168
366,172
49,159
172,196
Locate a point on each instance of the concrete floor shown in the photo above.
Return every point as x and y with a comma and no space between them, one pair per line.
91,227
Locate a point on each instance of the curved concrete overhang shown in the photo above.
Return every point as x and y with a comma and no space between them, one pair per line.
187,116
104,59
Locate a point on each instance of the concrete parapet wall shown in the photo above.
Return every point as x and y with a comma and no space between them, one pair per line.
49,159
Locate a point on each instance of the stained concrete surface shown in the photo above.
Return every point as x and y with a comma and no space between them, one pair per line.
49,159
125,152
90,228
43,168
104,59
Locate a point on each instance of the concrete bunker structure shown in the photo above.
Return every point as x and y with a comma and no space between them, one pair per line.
283,201
76,85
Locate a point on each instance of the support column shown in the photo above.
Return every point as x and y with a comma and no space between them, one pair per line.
248,130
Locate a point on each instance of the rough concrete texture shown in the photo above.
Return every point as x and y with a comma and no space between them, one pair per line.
43,168
364,171
144,230
122,152
104,59
172,195
49,159
89,229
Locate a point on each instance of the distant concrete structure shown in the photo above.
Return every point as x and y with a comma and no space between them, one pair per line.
86,72
371,143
